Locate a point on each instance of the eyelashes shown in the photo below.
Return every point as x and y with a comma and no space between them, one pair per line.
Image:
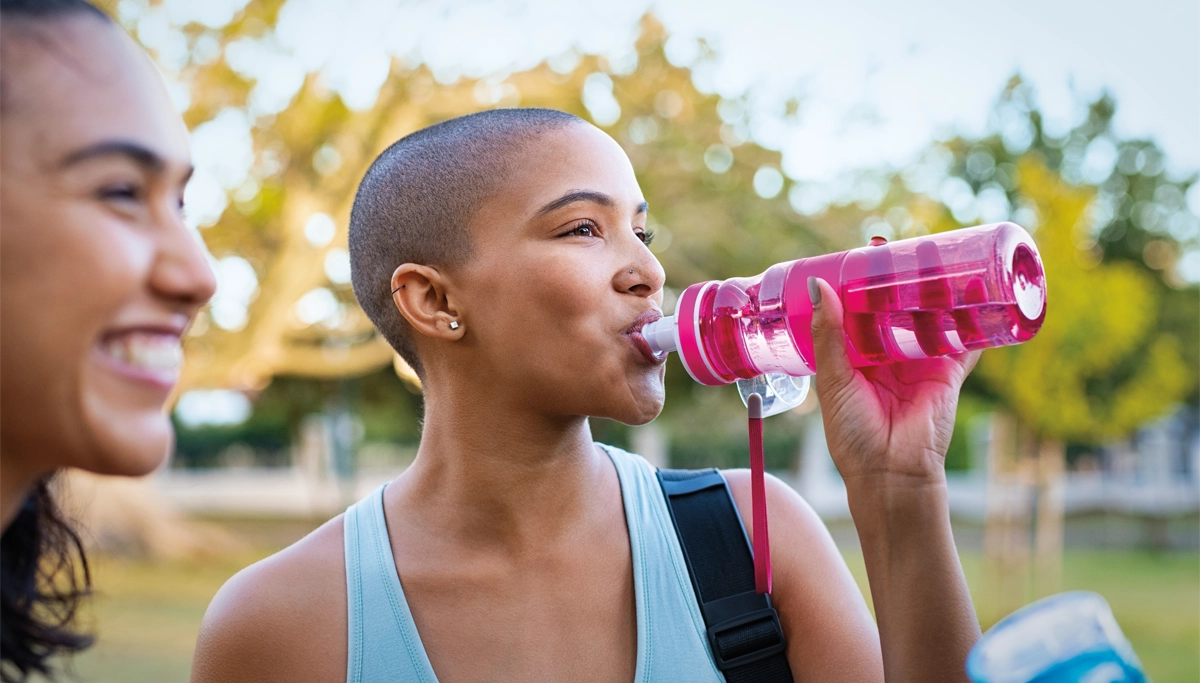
587,228
131,195
583,228
120,192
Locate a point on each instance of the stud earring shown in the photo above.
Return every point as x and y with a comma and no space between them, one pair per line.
454,324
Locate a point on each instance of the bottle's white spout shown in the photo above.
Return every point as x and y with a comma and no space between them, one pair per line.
660,335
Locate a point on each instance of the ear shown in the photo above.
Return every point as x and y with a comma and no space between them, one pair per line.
420,294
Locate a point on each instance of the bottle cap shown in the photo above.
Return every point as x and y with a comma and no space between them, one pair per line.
754,406
660,335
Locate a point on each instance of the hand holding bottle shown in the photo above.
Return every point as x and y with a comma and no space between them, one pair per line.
886,423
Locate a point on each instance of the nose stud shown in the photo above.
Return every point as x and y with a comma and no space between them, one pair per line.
454,324
631,271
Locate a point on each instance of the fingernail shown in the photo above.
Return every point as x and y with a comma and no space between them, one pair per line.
814,292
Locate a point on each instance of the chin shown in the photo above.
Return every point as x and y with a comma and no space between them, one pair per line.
647,404
641,418
132,447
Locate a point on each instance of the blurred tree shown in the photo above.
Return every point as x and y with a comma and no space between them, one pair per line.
1100,366
1137,215
286,219
1121,343
719,205
719,209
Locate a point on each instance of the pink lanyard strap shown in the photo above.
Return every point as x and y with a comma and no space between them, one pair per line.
758,497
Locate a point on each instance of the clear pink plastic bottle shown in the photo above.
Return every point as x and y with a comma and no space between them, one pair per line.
915,298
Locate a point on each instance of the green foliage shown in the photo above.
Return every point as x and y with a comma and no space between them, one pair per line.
1120,344
202,447
1100,366
1133,228
970,407
388,407
1121,339
1136,202
728,449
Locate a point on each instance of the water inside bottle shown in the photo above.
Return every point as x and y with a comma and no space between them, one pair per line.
942,311
750,324
1095,667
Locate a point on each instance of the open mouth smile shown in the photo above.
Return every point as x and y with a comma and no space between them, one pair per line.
152,356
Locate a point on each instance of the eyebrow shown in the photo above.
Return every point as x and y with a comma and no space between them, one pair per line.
576,196
144,157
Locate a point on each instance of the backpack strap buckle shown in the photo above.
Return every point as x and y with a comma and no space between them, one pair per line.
746,638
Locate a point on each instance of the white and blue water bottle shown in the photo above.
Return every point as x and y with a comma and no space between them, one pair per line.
1067,637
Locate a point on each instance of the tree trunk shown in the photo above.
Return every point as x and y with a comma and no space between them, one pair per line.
1048,543
1006,525
1023,528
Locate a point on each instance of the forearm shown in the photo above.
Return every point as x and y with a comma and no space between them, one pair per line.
927,623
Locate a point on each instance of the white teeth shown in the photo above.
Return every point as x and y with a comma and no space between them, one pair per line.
157,353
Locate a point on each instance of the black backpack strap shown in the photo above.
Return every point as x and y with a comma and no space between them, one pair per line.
743,628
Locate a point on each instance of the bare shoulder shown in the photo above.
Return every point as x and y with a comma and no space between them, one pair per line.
784,505
280,619
830,632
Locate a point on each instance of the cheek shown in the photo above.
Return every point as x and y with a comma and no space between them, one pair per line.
551,330
547,309
126,426
64,282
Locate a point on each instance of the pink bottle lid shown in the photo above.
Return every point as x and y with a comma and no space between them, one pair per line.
687,326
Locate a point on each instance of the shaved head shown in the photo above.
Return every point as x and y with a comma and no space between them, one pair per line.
418,198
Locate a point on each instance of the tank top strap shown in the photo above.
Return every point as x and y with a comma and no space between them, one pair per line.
672,638
383,643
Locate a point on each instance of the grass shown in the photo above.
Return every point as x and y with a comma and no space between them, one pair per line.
1154,596
147,615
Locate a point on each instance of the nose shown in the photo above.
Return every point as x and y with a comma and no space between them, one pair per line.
180,272
643,276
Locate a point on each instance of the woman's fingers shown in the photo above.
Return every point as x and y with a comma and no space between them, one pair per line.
834,371
968,361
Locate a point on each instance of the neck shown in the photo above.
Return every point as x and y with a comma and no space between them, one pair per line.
495,474
15,483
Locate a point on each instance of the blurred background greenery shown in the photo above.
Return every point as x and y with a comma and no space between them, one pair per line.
291,405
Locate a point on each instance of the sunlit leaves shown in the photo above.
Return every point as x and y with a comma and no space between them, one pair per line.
1100,366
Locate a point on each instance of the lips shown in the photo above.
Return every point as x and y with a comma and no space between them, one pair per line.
634,334
149,355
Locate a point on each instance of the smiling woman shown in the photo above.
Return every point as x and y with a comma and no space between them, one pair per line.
99,279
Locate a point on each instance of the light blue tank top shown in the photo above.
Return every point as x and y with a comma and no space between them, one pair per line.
671,646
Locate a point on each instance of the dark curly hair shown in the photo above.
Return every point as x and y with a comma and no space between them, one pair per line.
43,570
43,577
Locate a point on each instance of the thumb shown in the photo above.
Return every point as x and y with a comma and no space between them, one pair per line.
829,339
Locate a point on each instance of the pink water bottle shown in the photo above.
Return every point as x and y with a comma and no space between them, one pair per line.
915,298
